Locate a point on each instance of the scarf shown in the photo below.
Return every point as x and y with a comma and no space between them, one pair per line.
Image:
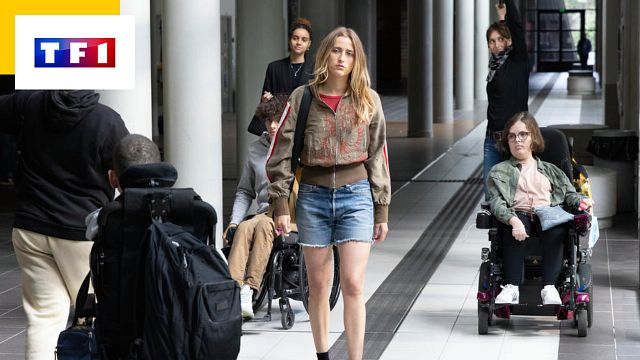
496,62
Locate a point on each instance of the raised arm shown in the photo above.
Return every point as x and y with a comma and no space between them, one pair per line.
509,13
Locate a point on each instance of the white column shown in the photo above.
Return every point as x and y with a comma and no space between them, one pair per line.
481,50
443,61
192,104
464,47
420,79
135,105
260,30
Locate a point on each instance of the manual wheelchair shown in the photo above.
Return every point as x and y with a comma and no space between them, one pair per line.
285,278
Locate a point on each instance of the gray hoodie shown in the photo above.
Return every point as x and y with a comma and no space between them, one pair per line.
253,182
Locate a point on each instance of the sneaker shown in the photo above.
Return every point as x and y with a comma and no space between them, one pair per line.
246,304
510,294
550,295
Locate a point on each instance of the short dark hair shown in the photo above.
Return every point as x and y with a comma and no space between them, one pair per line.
537,141
501,28
134,149
273,107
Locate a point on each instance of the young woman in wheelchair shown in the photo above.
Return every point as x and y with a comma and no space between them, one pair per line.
345,187
253,237
517,186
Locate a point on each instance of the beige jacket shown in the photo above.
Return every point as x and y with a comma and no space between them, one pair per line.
336,151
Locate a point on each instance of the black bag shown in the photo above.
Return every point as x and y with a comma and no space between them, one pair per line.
192,306
116,257
78,342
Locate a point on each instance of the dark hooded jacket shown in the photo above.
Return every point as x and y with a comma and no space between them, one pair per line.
65,146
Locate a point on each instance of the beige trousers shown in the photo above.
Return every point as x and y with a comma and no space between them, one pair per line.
250,250
52,271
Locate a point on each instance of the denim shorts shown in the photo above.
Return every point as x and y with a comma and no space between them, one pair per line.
328,216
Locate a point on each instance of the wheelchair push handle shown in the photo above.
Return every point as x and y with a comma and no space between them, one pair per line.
230,234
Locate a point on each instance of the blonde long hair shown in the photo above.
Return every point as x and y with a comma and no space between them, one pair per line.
359,81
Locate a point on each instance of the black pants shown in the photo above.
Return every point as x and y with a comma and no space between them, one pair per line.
514,251
583,61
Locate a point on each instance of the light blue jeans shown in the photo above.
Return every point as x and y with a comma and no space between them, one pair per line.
328,216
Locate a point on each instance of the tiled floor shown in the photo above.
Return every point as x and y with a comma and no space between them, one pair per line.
442,324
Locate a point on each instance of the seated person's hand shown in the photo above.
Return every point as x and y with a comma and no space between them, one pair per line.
231,228
518,230
585,204
283,224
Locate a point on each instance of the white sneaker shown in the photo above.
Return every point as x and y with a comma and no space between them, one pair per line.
550,295
510,294
246,297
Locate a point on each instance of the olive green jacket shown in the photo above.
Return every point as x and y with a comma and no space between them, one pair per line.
503,181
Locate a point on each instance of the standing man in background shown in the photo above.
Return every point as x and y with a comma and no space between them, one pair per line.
584,48
65,141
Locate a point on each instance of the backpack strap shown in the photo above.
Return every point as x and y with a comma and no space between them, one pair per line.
301,124
85,302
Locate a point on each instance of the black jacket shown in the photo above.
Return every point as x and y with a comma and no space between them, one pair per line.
278,80
508,92
279,77
65,145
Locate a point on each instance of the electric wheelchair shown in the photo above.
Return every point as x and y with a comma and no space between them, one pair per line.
575,280
285,278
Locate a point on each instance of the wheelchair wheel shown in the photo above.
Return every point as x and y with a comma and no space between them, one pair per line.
484,320
484,277
335,287
590,306
287,317
581,322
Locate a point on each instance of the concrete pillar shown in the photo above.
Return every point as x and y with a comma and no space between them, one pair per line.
598,43
464,51
420,79
443,61
481,67
192,105
260,30
610,62
135,105
156,61
324,15
361,16
630,60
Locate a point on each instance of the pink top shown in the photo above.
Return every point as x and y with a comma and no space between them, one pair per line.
332,101
534,189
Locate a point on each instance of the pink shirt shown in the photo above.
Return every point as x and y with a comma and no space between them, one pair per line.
534,189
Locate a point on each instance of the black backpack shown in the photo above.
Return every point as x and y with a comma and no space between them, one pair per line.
191,304
120,258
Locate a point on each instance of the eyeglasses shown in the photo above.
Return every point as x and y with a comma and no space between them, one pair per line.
522,136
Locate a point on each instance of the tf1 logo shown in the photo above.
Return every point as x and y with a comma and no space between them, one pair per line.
75,52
